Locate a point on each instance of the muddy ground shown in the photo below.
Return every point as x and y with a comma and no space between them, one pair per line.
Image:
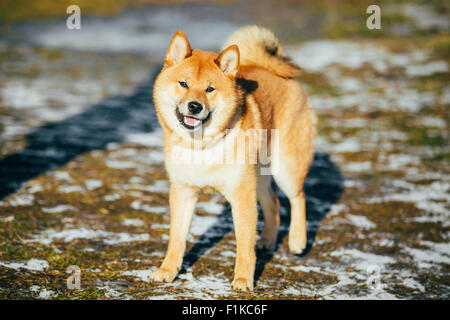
82,181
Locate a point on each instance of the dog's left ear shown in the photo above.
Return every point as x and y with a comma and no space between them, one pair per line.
228,60
179,49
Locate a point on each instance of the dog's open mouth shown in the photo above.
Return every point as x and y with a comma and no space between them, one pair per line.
190,122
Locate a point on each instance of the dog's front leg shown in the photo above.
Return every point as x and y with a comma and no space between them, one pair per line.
245,214
182,202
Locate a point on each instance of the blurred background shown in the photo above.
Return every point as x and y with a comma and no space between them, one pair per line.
82,180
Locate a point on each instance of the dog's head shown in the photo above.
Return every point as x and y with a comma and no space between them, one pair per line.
196,89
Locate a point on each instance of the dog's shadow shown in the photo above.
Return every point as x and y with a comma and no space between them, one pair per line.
323,188
55,144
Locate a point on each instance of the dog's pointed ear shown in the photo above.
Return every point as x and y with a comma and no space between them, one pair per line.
228,60
179,49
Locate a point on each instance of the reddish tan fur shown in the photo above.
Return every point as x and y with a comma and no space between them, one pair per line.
278,102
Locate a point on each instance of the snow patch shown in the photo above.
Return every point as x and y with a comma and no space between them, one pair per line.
92,184
32,265
133,222
59,208
138,205
152,139
69,235
362,260
361,221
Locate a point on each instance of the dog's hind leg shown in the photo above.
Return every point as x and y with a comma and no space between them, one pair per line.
270,207
291,184
289,169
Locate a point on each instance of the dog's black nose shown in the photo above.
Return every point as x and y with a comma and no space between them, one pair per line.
195,107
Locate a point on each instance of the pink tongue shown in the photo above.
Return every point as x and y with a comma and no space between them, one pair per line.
191,121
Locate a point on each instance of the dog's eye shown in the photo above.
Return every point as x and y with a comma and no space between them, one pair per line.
183,84
210,89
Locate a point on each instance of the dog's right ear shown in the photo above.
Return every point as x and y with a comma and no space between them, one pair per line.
179,49
228,60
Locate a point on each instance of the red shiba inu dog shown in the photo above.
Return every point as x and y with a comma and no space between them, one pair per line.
203,101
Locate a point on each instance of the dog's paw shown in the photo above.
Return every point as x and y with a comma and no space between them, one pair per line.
296,246
163,275
242,284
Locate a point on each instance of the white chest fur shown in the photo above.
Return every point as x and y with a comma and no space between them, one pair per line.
214,166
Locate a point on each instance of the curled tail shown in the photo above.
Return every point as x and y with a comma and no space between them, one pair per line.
259,46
